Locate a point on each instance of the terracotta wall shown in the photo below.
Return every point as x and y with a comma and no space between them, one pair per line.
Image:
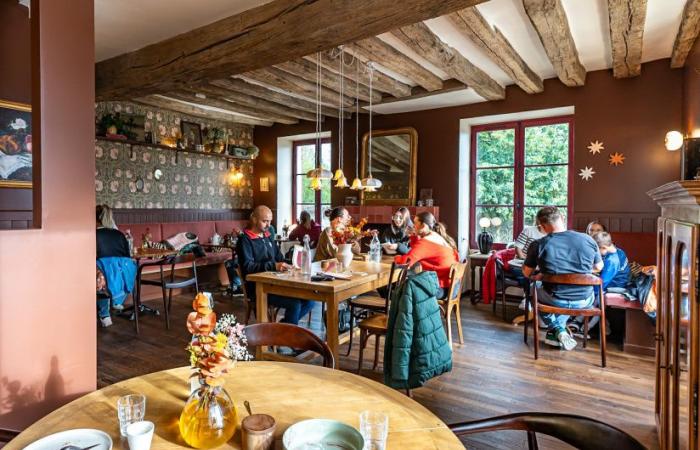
47,300
629,116
691,92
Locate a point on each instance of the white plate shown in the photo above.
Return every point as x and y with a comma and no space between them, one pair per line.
330,433
82,437
387,250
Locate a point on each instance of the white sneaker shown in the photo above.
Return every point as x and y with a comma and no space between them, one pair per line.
566,341
106,321
119,307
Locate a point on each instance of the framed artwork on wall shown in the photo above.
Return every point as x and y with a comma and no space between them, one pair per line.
191,133
15,145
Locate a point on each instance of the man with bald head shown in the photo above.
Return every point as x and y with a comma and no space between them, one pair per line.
257,252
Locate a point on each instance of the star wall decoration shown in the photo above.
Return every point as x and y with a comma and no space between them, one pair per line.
617,159
595,147
587,173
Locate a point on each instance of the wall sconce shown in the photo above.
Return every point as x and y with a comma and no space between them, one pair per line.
235,176
674,140
264,184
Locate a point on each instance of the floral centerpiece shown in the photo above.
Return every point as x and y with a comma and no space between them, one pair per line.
209,417
344,237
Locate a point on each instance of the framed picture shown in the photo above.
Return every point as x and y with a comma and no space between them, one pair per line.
134,125
191,132
425,194
15,145
264,184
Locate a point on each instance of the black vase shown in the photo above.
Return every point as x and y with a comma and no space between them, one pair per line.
485,241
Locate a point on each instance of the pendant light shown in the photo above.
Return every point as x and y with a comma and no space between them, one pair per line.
370,183
339,177
319,173
357,183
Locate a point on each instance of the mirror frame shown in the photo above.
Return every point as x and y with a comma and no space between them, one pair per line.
413,158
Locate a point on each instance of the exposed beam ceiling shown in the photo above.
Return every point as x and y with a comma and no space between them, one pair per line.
273,33
552,26
626,19
375,50
687,33
424,42
470,22
197,111
261,92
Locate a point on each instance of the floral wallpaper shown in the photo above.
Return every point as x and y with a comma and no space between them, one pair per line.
189,181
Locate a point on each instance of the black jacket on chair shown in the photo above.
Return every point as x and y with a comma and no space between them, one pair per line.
257,254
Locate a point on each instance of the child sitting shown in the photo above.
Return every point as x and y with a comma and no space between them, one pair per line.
616,269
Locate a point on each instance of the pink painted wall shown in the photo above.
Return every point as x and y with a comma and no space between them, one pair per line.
47,299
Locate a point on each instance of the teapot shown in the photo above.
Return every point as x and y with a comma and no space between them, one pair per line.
215,239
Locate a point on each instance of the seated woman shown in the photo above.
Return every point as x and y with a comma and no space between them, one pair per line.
433,248
326,248
306,226
595,227
397,234
616,269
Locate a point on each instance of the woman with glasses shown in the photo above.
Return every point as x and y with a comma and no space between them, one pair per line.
396,236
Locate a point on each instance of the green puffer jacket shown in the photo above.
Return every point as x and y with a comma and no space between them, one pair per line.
416,347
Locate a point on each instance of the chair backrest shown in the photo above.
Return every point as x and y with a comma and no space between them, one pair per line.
456,277
580,432
243,288
288,335
581,279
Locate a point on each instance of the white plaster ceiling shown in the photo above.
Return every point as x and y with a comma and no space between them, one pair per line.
127,25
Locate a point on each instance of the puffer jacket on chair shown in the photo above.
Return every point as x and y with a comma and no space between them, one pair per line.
416,347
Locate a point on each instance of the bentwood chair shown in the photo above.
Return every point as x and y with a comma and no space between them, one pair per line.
503,282
288,335
578,279
580,432
166,282
451,302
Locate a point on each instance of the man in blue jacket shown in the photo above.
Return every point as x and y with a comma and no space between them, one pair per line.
258,252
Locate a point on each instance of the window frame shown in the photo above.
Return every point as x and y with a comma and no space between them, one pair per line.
519,171
295,174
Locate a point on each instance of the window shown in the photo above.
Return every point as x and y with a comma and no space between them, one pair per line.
306,157
517,168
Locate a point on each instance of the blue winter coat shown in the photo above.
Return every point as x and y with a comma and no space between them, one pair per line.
120,274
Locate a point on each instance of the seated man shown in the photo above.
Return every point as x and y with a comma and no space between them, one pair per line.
258,252
616,270
560,252
306,226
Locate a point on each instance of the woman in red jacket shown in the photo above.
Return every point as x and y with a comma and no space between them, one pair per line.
433,248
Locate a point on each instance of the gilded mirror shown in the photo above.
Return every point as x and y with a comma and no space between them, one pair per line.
394,156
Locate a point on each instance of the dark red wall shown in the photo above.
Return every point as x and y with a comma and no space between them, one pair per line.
691,92
630,116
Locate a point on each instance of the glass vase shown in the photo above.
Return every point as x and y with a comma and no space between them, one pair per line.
209,418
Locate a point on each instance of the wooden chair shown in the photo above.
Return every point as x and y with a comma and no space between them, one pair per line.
572,279
377,324
166,283
451,302
580,432
504,282
361,307
288,335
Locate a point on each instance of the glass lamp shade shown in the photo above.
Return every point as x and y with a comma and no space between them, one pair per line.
315,184
673,141
496,221
319,172
484,222
342,182
356,185
371,183
338,175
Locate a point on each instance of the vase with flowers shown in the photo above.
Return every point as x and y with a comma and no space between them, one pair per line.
209,417
344,237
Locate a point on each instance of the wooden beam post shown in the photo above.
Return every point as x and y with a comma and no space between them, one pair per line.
550,22
687,33
192,97
626,19
196,111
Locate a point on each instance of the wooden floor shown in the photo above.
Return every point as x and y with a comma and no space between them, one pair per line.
493,373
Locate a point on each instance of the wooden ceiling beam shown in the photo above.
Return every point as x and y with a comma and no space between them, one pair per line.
307,70
375,50
549,19
269,34
448,86
626,19
293,84
687,33
261,92
427,44
382,82
192,97
254,102
473,25
196,111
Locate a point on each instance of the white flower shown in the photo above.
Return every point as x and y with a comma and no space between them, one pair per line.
18,124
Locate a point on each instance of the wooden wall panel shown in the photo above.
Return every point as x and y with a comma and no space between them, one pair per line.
178,215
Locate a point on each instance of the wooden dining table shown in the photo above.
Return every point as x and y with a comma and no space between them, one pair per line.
365,277
288,392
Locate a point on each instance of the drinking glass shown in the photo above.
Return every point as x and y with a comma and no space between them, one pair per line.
130,408
374,427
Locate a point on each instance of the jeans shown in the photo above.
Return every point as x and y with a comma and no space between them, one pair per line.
294,309
557,322
103,305
516,273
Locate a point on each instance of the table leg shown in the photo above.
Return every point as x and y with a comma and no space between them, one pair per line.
332,338
473,297
260,313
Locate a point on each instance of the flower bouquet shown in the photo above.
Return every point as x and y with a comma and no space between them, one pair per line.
209,417
350,234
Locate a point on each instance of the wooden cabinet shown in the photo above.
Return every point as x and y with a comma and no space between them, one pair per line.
678,346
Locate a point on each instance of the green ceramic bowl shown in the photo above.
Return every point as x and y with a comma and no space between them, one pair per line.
331,434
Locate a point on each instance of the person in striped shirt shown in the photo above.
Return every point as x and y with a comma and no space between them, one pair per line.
525,238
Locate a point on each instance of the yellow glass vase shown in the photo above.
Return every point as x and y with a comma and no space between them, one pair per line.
209,418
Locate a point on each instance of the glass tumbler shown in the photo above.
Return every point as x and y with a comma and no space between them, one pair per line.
130,408
374,427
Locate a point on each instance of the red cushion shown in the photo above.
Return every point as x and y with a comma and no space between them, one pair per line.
639,247
620,301
204,230
138,230
227,226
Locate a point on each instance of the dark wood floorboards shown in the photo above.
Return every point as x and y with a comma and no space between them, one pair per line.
493,373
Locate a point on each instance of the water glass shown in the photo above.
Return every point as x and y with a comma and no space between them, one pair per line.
130,408
374,427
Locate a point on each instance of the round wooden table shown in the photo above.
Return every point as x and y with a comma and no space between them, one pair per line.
288,392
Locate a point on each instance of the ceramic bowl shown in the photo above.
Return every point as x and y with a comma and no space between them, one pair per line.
329,433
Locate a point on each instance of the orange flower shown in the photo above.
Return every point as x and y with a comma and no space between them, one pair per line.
199,324
201,304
